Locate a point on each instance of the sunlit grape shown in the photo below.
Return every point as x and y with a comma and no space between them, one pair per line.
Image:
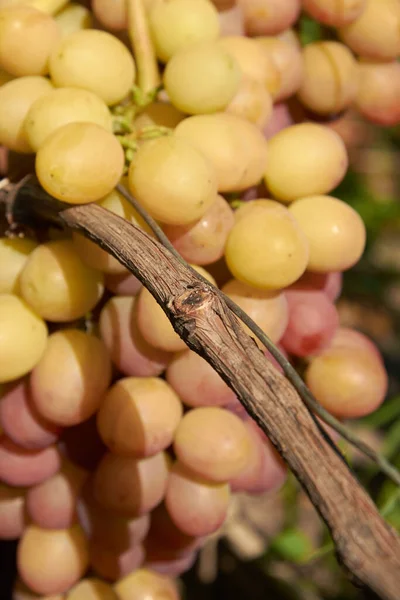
144,584
288,62
91,589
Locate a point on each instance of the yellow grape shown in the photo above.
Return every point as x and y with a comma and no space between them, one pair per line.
144,584
330,78
22,592
51,561
80,163
267,249
176,24
12,512
334,13
92,589
158,114
74,372
335,232
376,32
288,62
257,205
27,38
73,17
172,179
96,61
236,148
14,253
305,159
252,102
202,78
269,17
23,338
57,284
62,106
379,91
16,98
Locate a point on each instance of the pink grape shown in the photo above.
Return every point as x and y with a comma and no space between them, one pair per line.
269,17
122,285
21,422
110,565
329,283
21,467
345,337
12,512
313,320
167,537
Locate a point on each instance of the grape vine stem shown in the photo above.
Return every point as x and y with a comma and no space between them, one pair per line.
367,546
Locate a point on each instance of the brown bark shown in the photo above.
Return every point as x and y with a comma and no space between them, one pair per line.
367,546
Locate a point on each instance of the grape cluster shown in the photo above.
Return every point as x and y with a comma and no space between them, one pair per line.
120,448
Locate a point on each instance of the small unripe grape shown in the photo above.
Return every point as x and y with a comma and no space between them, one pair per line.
112,15
288,62
62,106
96,61
176,24
379,91
335,232
172,180
305,159
23,337
269,17
144,584
27,38
267,250
138,416
14,253
16,98
80,163
236,148
12,512
68,382
57,284
252,102
376,32
349,382
330,79
51,561
73,17
335,14
202,78
92,589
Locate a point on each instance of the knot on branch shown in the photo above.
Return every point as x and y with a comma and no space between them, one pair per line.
195,299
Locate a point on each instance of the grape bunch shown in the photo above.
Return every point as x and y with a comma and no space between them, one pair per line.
120,448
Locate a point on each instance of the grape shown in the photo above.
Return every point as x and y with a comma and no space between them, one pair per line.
21,422
22,592
258,205
61,106
204,241
253,61
213,443
335,232
235,147
173,567
281,117
330,79
95,61
52,503
305,159
21,467
82,444
79,163
378,92
313,321
288,63
231,20
91,589
112,15
376,32
166,537
335,14
12,512
144,584
252,102
16,98
202,78
197,506
129,486
23,338
139,416
51,561
73,373
329,283
111,566
268,17
158,114
13,255
176,24
268,309
122,284
196,382
267,249
346,337
172,180
349,382
73,17
23,28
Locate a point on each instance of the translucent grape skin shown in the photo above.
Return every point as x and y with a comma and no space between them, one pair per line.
204,241
12,512
331,13
119,331
13,256
51,561
196,382
79,163
145,584
313,320
20,467
21,29
21,422
111,566
269,17
346,337
139,416
197,506
378,92
252,102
